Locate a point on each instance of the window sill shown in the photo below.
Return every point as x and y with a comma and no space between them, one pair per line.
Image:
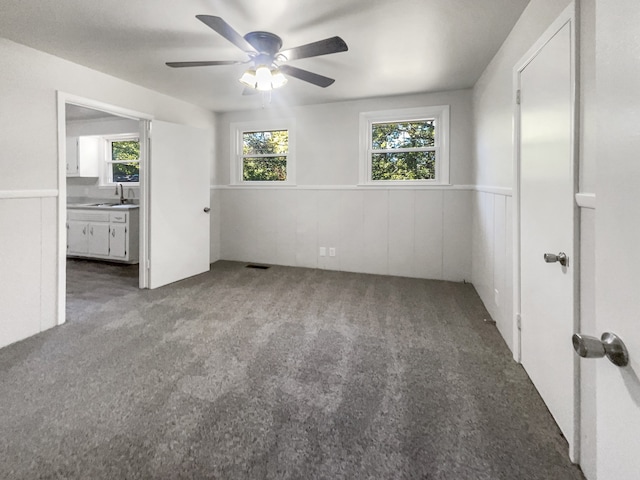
404,184
262,184
124,185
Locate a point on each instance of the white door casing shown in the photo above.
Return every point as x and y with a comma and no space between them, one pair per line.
617,233
178,194
545,221
62,99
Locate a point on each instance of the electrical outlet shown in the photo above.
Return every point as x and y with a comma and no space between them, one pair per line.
496,297
323,251
332,252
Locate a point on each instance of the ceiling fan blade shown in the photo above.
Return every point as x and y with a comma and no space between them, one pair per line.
223,28
306,76
321,47
202,64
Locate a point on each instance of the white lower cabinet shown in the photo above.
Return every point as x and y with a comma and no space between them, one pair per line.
98,238
103,234
118,241
77,238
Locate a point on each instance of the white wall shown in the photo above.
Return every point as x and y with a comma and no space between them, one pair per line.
29,186
407,231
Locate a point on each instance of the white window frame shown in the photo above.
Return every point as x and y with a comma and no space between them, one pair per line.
106,172
439,114
238,129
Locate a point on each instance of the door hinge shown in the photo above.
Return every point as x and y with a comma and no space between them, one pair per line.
519,321
148,263
518,97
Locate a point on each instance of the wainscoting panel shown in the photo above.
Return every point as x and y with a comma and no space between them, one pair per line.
428,250
492,251
285,228
306,215
214,230
28,295
457,217
410,232
376,228
403,233
351,224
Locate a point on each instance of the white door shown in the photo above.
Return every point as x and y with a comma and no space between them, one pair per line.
546,191
178,196
618,235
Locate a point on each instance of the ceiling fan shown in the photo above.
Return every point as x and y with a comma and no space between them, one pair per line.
269,62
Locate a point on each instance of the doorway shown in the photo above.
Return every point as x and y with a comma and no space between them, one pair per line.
178,246
546,226
90,125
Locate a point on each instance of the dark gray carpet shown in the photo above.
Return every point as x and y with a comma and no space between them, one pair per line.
285,373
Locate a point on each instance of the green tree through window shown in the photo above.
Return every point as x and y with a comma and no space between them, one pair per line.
125,161
403,150
264,155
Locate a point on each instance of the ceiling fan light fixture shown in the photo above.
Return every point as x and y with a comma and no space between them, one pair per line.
263,79
277,78
249,78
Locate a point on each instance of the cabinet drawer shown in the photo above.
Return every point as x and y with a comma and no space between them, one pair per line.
88,215
120,217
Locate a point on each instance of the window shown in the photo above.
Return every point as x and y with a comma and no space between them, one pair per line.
409,146
122,162
262,155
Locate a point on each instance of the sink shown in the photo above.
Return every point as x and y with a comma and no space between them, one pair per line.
103,204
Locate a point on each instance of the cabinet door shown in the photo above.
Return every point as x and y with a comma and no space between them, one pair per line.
72,156
118,242
77,237
89,156
98,234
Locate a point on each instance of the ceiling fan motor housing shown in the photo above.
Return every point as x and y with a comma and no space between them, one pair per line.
265,43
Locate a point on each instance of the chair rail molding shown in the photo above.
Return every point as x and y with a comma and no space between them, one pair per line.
51,193
586,200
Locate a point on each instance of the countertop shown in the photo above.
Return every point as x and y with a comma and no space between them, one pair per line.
102,206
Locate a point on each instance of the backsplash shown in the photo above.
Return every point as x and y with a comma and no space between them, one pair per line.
88,189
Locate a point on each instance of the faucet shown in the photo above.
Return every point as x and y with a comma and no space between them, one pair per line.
122,199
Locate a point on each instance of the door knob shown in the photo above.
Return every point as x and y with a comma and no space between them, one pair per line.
609,344
561,258
207,209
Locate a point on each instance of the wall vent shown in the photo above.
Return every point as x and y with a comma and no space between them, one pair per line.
259,267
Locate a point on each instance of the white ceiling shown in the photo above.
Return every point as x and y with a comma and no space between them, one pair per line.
395,46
